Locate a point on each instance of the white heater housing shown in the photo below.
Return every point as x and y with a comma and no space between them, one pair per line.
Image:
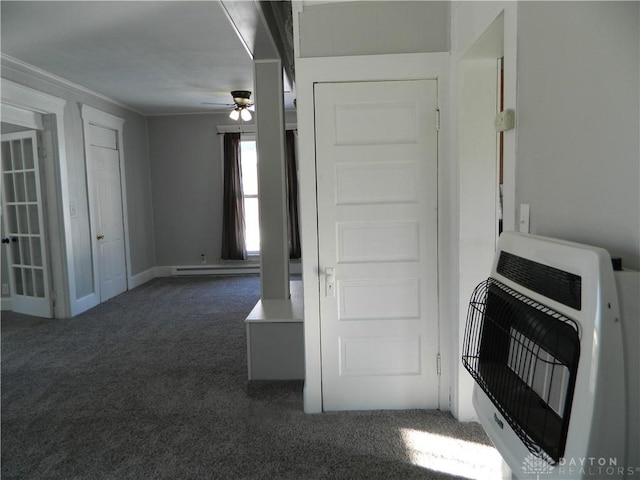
547,418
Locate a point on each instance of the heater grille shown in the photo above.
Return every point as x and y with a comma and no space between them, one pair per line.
561,286
524,356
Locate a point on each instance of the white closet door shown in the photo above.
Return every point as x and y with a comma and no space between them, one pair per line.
105,192
376,160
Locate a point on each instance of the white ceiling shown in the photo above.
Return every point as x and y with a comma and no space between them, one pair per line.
157,57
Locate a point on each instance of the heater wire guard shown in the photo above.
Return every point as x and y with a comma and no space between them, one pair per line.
524,356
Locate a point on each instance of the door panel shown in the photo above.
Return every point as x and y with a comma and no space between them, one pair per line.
361,356
376,147
384,298
24,225
376,183
377,241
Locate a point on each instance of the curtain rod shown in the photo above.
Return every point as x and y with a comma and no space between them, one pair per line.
249,128
286,129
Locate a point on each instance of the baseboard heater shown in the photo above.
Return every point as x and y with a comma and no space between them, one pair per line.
215,270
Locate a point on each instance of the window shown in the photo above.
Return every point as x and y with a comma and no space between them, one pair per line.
249,165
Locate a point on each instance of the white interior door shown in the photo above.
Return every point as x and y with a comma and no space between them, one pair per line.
106,207
24,225
376,154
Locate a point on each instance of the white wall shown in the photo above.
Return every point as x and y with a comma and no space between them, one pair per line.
186,173
573,155
578,121
572,76
137,172
337,30
368,28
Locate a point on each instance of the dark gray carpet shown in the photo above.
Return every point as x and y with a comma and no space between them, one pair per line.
152,384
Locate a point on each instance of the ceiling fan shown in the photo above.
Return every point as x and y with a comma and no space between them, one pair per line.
242,105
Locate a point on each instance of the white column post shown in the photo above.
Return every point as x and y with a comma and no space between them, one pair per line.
270,143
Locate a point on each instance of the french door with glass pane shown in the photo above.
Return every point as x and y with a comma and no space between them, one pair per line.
23,225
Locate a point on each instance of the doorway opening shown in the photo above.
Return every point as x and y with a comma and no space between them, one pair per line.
107,204
481,166
24,233
25,106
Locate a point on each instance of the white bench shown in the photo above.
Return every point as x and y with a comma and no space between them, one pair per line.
275,338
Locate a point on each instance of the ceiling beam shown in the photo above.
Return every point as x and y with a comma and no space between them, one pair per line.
262,29
249,23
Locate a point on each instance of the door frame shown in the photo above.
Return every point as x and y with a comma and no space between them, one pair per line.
310,71
479,29
57,180
93,116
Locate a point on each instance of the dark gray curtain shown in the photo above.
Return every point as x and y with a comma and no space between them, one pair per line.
292,194
233,246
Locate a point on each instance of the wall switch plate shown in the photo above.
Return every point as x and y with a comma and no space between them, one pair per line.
5,289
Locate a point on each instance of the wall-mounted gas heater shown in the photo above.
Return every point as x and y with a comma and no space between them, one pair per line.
556,387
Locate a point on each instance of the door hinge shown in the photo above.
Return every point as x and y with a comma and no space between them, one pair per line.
54,297
437,119
438,364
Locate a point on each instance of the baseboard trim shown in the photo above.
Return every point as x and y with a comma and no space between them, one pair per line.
142,278
163,271
85,303
215,269
6,303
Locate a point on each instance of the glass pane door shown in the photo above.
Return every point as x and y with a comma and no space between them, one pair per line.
24,226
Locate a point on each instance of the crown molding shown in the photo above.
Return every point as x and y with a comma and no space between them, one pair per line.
36,72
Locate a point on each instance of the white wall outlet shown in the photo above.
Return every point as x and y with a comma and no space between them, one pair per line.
203,259
524,218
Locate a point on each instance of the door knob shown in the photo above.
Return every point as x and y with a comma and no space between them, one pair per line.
329,282
100,237
5,240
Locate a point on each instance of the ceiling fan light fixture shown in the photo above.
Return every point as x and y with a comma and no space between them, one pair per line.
241,97
245,114
242,105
